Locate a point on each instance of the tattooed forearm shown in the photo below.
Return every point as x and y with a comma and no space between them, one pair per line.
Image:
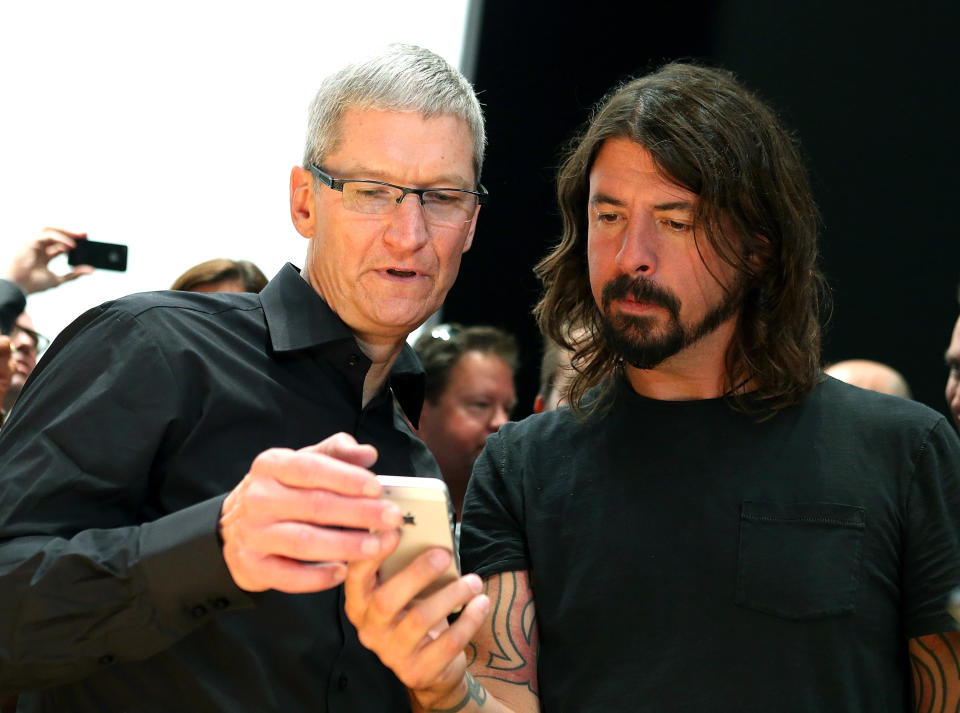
475,694
935,662
512,638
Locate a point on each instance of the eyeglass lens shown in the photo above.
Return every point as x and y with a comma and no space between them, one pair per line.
449,207
35,341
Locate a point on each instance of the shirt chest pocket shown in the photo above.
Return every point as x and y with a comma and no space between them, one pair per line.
800,560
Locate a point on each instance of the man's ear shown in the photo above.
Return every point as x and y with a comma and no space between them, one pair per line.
473,227
758,257
302,205
539,404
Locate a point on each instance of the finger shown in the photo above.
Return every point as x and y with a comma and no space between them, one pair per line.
78,271
425,616
315,470
310,543
344,447
361,579
292,577
436,656
54,242
396,593
321,507
60,233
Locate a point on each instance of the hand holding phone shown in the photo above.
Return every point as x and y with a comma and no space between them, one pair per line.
427,523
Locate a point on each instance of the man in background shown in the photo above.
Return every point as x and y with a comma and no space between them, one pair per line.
187,474
952,359
28,273
221,275
870,375
556,373
469,394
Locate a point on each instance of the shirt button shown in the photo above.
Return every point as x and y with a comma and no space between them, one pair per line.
353,360
106,659
220,603
342,681
198,611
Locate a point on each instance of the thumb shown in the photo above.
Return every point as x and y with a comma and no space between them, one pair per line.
343,446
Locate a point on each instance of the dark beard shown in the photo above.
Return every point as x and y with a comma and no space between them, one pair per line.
630,336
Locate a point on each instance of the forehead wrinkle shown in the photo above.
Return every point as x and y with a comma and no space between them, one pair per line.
606,198
359,171
675,205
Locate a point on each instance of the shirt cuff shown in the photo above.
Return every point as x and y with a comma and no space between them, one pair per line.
182,559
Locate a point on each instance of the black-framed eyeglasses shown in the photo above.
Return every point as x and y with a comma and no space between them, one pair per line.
450,207
37,341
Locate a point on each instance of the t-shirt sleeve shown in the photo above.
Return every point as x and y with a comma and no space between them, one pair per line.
492,534
931,554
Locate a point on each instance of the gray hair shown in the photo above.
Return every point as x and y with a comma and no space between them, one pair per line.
403,78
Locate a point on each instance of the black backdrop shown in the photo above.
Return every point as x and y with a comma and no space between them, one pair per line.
871,93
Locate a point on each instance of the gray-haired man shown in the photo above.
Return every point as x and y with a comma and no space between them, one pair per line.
174,536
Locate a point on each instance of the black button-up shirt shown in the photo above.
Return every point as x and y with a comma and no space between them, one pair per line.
114,595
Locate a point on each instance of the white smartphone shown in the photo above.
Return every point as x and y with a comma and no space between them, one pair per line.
427,523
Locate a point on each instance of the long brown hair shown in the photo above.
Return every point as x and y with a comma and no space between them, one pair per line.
709,135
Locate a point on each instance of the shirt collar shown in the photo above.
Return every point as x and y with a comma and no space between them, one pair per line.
298,318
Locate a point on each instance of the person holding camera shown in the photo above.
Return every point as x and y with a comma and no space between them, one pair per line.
29,272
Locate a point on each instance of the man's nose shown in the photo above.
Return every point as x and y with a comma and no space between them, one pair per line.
408,226
500,416
638,248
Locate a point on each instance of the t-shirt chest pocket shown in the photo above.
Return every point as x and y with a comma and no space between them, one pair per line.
799,560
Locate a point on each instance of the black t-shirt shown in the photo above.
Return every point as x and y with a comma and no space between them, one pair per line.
685,557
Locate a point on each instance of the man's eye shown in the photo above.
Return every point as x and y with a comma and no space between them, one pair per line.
677,226
445,197
607,218
374,193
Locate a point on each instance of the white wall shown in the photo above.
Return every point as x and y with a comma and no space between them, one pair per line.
172,127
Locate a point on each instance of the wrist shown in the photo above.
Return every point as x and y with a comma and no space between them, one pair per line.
465,692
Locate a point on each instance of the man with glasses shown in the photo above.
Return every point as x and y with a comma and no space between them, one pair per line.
187,474
28,272
26,345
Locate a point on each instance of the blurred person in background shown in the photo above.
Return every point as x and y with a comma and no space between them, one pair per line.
27,273
556,372
470,393
952,359
221,275
870,375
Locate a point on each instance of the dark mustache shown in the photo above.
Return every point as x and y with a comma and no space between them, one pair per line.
641,290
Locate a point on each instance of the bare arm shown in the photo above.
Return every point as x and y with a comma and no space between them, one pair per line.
495,635
935,661
502,657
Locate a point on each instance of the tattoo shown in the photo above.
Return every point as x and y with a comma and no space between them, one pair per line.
513,632
935,662
475,694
